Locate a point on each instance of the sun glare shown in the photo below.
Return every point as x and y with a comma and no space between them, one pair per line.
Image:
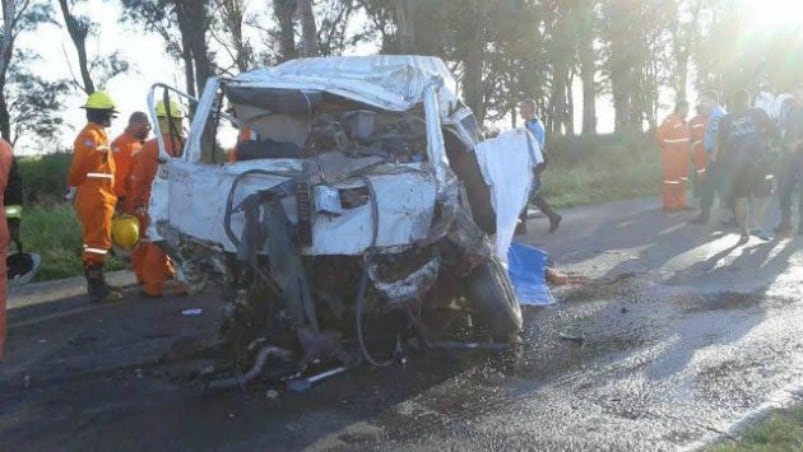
768,13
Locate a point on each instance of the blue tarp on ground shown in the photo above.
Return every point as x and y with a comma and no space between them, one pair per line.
527,270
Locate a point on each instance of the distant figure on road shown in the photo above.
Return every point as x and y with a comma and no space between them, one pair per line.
792,158
714,178
700,159
534,125
742,146
674,138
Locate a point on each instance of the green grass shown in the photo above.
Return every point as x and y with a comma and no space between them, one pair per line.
53,231
601,169
783,431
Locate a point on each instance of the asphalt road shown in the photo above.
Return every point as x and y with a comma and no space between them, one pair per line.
684,339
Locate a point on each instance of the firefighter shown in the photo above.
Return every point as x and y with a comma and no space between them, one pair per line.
92,181
8,175
697,129
124,147
245,134
151,265
674,139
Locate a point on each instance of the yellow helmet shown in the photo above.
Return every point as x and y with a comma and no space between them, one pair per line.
99,100
176,111
125,231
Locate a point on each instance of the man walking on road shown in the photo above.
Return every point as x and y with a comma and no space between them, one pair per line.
790,176
715,177
742,146
674,138
92,174
534,125
124,147
697,130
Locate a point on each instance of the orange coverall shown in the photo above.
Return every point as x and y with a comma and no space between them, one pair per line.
6,157
124,148
246,134
697,126
151,265
92,172
674,139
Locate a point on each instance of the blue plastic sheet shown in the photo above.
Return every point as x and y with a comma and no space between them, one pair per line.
527,270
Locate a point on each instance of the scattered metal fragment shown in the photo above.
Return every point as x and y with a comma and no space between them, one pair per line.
299,385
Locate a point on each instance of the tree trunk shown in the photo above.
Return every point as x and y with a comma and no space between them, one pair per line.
6,51
557,98
283,11
78,32
309,33
588,69
474,61
186,50
200,52
405,19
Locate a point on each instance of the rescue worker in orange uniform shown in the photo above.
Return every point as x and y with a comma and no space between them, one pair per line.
92,175
6,168
674,139
697,128
246,134
124,147
151,265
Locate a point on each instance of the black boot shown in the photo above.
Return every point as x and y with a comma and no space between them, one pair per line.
785,226
543,206
99,291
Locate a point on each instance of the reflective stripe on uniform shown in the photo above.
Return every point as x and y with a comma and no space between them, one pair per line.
677,126
684,178
697,143
701,171
100,175
95,251
672,182
698,126
677,140
103,148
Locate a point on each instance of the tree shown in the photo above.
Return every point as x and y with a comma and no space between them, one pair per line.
309,33
81,28
188,41
237,46
18,16
283,12
37,105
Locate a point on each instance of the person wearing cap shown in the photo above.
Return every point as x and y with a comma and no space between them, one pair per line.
698,156
536,127
716,177
792,156
124,147
92,180
152,267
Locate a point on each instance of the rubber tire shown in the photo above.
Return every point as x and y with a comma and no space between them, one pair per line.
490,293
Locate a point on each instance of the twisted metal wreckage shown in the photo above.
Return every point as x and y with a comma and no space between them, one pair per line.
357,220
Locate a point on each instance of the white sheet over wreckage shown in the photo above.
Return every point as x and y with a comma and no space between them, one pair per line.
198,195
391,82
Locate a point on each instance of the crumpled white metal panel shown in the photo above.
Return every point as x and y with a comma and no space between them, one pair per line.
198,193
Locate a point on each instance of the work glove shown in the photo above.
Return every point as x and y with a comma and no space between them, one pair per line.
70,195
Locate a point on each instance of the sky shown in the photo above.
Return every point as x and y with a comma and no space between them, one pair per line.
149,63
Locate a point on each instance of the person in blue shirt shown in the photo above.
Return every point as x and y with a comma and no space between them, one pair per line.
536,127
715,180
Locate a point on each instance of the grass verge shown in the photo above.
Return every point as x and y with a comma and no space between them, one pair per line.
53,231
783,431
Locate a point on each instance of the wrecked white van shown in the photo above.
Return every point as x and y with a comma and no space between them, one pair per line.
355,217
